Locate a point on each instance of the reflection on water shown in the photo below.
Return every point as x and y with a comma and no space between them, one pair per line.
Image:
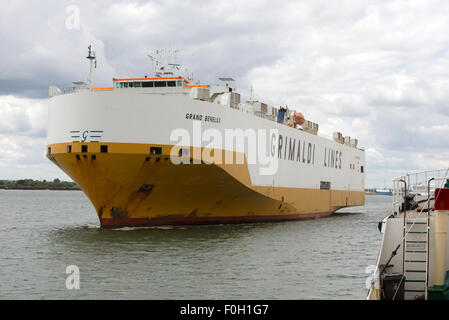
44,231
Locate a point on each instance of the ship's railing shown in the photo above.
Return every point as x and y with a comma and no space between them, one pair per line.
265,116
418,184
55,91
73,90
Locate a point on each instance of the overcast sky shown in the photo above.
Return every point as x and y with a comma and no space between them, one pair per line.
374,70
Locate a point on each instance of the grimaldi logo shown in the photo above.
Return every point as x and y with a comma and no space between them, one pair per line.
209,146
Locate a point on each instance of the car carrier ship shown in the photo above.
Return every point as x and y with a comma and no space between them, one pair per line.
123,145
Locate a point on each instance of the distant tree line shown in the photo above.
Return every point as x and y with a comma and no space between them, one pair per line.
30,184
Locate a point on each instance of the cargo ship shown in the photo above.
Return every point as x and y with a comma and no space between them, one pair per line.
154,150
384,192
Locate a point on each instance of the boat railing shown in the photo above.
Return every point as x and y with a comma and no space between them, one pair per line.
420,184
74,89
55,91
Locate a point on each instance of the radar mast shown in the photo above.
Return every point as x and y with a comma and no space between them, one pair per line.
93,65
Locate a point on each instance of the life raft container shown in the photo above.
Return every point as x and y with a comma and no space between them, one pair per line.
298,118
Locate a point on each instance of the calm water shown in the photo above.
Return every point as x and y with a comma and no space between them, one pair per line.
42,232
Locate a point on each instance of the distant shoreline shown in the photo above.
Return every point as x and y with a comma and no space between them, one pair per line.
30,184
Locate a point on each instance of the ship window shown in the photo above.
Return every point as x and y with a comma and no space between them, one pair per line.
131,84
361,169
147,84
179,83
171,83
325,185
137,84
122,85
49,150
160,83
69,149
94,157
117,84
84,148
104,149
125,84
155,150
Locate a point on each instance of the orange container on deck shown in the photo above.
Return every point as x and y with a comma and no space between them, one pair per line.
298,118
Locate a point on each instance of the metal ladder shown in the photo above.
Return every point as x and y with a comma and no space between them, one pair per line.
416,258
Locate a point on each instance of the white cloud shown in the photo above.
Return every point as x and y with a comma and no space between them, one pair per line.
22,116
22,140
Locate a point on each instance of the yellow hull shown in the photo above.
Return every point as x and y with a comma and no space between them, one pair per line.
130,187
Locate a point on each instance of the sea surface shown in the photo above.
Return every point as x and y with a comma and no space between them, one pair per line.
43,232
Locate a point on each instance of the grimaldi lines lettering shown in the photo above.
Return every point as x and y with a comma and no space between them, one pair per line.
304,152
295,150
332,158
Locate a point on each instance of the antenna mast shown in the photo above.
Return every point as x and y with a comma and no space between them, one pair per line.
163,60
153,61
93,65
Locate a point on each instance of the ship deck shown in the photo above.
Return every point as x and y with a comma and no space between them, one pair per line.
420,211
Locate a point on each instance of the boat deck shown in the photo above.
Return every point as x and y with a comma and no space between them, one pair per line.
420,211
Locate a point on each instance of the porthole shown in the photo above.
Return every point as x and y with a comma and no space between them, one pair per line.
155,150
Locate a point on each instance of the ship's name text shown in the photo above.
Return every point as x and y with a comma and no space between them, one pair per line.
200,117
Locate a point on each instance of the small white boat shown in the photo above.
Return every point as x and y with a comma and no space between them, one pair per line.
413,262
